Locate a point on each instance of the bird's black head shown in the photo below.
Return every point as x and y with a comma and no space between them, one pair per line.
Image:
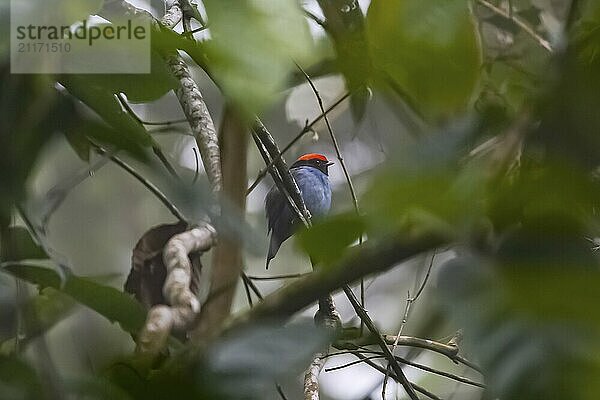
314,160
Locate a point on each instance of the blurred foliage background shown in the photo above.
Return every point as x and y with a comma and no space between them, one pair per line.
473,120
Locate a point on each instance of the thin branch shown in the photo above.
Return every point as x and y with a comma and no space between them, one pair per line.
409,303
519,22
247,290
449,350
251,285
155,148
448,375
149,185
378,354
280,392
349,364
362,313
165,123
277,277
344,169
307,128
56,196
413,385
280,172
312,16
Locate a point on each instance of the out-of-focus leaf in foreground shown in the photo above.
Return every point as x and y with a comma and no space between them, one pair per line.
327,240
252,47
248,363
18,380
107,301
16,244
429,50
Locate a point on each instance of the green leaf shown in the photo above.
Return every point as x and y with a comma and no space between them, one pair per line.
245,364
252,48
17,244
124,132
346,26
139,88
94,388
40,314
107,301
326,241
18,380
428,49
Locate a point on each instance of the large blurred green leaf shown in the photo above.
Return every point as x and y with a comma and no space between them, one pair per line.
346,25
429,49
327,240
19,381
40,314
252,48
107,301
31,111
17,244
246,364
571,119
124,132
138,88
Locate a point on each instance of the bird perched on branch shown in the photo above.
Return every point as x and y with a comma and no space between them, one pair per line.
311,174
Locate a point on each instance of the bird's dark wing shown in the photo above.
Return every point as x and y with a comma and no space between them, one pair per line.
280,221
274,205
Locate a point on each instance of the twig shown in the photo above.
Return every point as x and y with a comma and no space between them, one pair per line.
449,350
519,22
413,385
312,16
155,148
251,285
344,168
55,196
349,364
277,277
149,185
409,303
280,392
197,169
307,128
280,172
378,354
362,313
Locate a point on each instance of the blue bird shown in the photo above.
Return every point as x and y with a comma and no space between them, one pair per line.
311,175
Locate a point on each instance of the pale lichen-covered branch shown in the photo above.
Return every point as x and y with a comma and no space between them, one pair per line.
184,305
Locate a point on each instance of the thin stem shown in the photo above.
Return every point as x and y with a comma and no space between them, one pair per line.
352,363
519,22
277,277
155,148
362,313
344,168
280,392
251,285
307,128
414,386
149,185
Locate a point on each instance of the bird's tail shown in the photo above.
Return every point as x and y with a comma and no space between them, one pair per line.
273,248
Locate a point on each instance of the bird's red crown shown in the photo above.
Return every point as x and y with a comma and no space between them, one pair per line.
312,156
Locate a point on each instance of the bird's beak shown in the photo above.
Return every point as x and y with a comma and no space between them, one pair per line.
329,164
